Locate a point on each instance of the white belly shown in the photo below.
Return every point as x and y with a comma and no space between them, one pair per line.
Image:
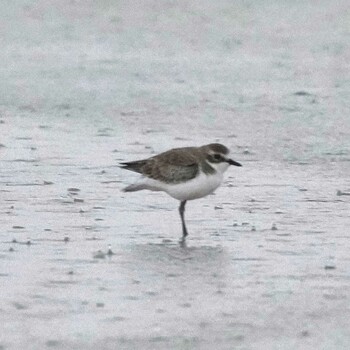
196,188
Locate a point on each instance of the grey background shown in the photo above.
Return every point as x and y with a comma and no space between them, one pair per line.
85,84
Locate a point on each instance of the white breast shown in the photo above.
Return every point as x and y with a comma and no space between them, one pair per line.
198,187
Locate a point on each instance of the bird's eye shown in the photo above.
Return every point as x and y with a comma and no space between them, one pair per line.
217,156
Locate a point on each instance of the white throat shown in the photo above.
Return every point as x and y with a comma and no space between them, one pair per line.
219,167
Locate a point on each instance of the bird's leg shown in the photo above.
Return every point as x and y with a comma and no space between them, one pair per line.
182,212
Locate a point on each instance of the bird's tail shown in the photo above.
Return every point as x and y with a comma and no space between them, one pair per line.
133,166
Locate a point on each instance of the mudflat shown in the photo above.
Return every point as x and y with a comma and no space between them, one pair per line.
85,85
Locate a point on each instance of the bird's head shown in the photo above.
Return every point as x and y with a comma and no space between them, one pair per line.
217,155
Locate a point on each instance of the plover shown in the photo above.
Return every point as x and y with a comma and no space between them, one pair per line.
183,173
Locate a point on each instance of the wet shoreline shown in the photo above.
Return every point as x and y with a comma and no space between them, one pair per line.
85,86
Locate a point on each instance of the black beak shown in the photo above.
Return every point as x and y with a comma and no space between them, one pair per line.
232,162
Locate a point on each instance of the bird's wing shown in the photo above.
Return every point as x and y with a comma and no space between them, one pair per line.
173,166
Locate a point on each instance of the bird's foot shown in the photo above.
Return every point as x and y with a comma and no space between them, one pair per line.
182,242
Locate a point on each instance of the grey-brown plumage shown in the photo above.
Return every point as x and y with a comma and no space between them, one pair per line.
170,167
184,173
176,165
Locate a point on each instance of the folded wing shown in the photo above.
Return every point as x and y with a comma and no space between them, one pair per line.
174,166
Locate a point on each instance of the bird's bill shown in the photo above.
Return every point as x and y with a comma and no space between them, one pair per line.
232,162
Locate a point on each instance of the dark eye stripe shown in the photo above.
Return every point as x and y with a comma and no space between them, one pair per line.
216,158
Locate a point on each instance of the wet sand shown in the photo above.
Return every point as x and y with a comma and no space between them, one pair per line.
86,266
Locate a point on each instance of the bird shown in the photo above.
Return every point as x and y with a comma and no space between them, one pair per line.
185,173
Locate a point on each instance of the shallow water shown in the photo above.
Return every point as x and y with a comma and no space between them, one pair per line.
84,86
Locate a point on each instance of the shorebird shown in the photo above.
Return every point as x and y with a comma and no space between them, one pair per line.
183,173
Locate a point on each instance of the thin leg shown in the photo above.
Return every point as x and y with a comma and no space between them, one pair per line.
182,212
